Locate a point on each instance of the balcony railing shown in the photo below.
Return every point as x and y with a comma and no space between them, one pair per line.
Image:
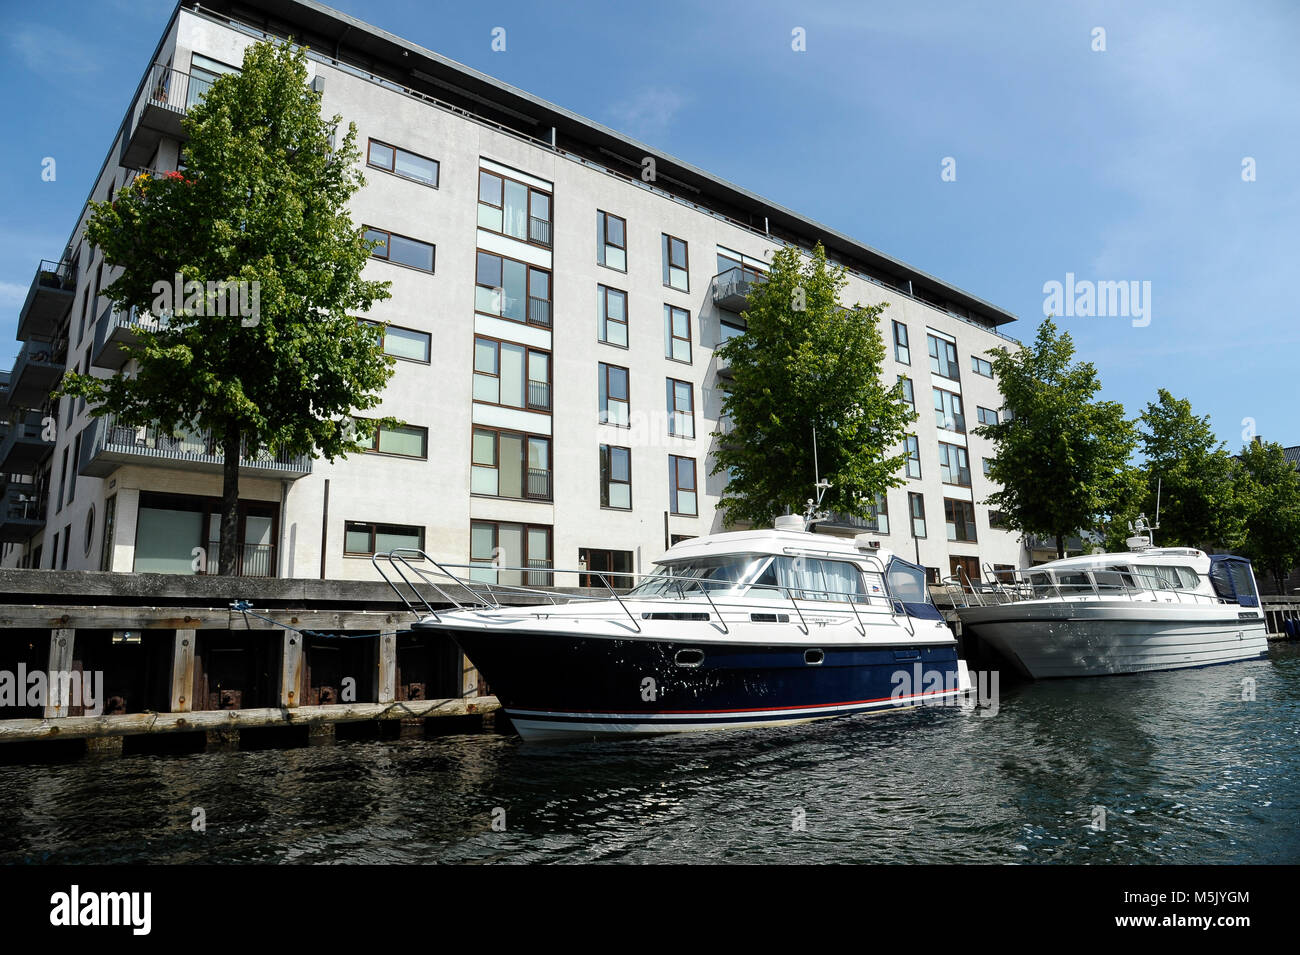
166,96
22,512
539,312
113,445
23,446
539,396
539,485
116,328
536,578
840,519
251,560
48,300
731,288
39,368
539,231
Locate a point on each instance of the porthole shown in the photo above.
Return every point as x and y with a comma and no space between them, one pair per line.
90,529
689,658
813,657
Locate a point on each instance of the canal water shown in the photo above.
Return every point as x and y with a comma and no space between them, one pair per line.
1155,768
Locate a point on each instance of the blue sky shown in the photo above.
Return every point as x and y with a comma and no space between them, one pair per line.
1122,165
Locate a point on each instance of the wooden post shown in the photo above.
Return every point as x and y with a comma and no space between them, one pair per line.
183,672
386,668
291,669
61,641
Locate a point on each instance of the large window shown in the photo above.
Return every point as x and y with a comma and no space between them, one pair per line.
613,384
912,447
408,165
902,351
362,539
677,334
400,342
909,395
676,270
960,516
916,508
611,241
954,468
203,73
400,249
981,367
986,415
611,326
516,376
878,519
494,545
604,566
681,486
512,289
510,464
615,477
948,414
943,357
406,441
514,208
681,408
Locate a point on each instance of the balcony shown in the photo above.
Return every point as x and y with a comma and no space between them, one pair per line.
539,485
38,369
539,396
48,300
539,312
165,99
539,231
23,446
22,512
114,329
731,288
251,560
841,521
110,445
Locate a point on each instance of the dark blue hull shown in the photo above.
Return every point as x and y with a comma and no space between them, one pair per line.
567,685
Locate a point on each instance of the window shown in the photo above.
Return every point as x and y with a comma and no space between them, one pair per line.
110,528
72,475
495,545
997,520
676,271
916,508
612,306
677,334
960,516
611,241
512,289
988,466
510,464
407,441
913,449
908,395
681,408
203,73
948,411
405,343
902,352
400,250
615,477
879,512
681,486
981,367
361,539
513,208
515,376
729,328
986,416
63,478
954,468
604,565
943,358
408,165
613,383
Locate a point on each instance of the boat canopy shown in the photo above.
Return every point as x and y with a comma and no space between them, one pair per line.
1233,580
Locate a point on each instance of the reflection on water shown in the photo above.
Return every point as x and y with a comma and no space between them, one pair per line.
1186,771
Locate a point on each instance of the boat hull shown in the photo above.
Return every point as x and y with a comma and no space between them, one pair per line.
1047,641
557,686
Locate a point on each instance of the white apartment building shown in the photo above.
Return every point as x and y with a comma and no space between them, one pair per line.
554,319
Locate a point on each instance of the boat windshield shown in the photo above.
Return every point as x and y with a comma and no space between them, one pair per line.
721,575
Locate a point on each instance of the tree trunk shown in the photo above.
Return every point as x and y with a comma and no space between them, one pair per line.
1060,546
227,564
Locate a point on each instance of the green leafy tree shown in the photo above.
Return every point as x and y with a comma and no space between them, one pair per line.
1193,474
1269,485
1061,458
262,201
805,365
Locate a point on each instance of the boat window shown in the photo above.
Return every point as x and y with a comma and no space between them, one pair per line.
1161,577
906,583
1116,578
1042,585
810,578
683,578
1244,583
766,584
1073,582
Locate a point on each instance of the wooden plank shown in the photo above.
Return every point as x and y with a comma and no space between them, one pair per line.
183,671
61,643
386,667
290,668
175,618
132,724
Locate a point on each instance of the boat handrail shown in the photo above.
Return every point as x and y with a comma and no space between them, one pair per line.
1016,584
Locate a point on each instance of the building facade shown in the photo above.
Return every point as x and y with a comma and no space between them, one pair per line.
558,291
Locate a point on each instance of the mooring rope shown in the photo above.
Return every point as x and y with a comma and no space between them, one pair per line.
246,608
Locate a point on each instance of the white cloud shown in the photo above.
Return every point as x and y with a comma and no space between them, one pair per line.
12,295
43,49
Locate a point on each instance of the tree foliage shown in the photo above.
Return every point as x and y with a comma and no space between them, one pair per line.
1061,457
1269,487
262,199
806,363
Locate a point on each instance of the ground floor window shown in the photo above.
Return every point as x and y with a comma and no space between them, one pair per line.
604,562
181,534
525,548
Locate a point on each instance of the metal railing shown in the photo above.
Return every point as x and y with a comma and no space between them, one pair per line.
755,598
22,503
172,90
539,231
538,485
539,312
539,395
1018,585
151,441
56,275
251,560
736,281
